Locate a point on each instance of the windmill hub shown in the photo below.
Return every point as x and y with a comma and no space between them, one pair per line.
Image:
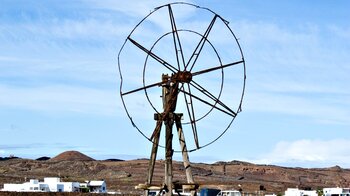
182,76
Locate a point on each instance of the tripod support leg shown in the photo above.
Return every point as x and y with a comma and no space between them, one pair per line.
185,157
183,146
168,157
153,157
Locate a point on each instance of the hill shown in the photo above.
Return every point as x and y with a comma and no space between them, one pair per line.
72,156
122,176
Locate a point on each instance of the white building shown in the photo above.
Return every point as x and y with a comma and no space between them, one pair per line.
31,186
297,192
336,191
54,184
97,186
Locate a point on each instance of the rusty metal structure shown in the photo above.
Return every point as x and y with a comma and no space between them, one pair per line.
179,72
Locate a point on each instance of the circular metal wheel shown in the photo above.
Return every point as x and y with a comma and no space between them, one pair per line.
197,49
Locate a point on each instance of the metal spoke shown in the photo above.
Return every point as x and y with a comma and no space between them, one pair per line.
143,88
203,101
154,56
177,44
197,51
216,68
211,96
191,116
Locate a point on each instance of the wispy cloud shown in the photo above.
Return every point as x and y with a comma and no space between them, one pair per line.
72,29
316,109
309,152
47,63
27,149
78,70
292,70
61,99
21,146
62,59
343,32
300,48
129,8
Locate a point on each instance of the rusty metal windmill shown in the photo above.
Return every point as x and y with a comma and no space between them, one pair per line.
186,52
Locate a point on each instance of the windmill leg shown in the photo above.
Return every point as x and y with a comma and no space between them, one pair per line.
153,157
168,157
185,157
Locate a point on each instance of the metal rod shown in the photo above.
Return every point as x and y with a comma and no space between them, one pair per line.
143,88
199,99
200,45
192,117
216,68
177,43
157,58
211,96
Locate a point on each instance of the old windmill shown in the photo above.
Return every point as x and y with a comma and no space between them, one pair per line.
173,66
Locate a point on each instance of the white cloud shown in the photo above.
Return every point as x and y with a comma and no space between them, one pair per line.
340,31
91,28
9,59
295,71
60,99
298,47
26,150
130,8
75,70
271,33
332,110
309,153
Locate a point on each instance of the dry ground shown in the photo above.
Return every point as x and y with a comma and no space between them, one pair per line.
123,176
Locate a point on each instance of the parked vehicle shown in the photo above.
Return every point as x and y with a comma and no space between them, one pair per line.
229,193
209,192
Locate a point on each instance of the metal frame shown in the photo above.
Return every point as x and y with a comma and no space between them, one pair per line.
182,80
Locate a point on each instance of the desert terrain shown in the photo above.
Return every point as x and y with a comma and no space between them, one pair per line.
122,176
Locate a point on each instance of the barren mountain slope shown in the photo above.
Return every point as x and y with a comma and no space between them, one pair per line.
124,175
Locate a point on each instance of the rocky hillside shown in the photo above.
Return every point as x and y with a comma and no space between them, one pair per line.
72,156
122,176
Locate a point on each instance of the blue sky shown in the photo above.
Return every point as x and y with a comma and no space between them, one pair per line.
59,81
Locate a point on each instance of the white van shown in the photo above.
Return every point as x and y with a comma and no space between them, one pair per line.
229,193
